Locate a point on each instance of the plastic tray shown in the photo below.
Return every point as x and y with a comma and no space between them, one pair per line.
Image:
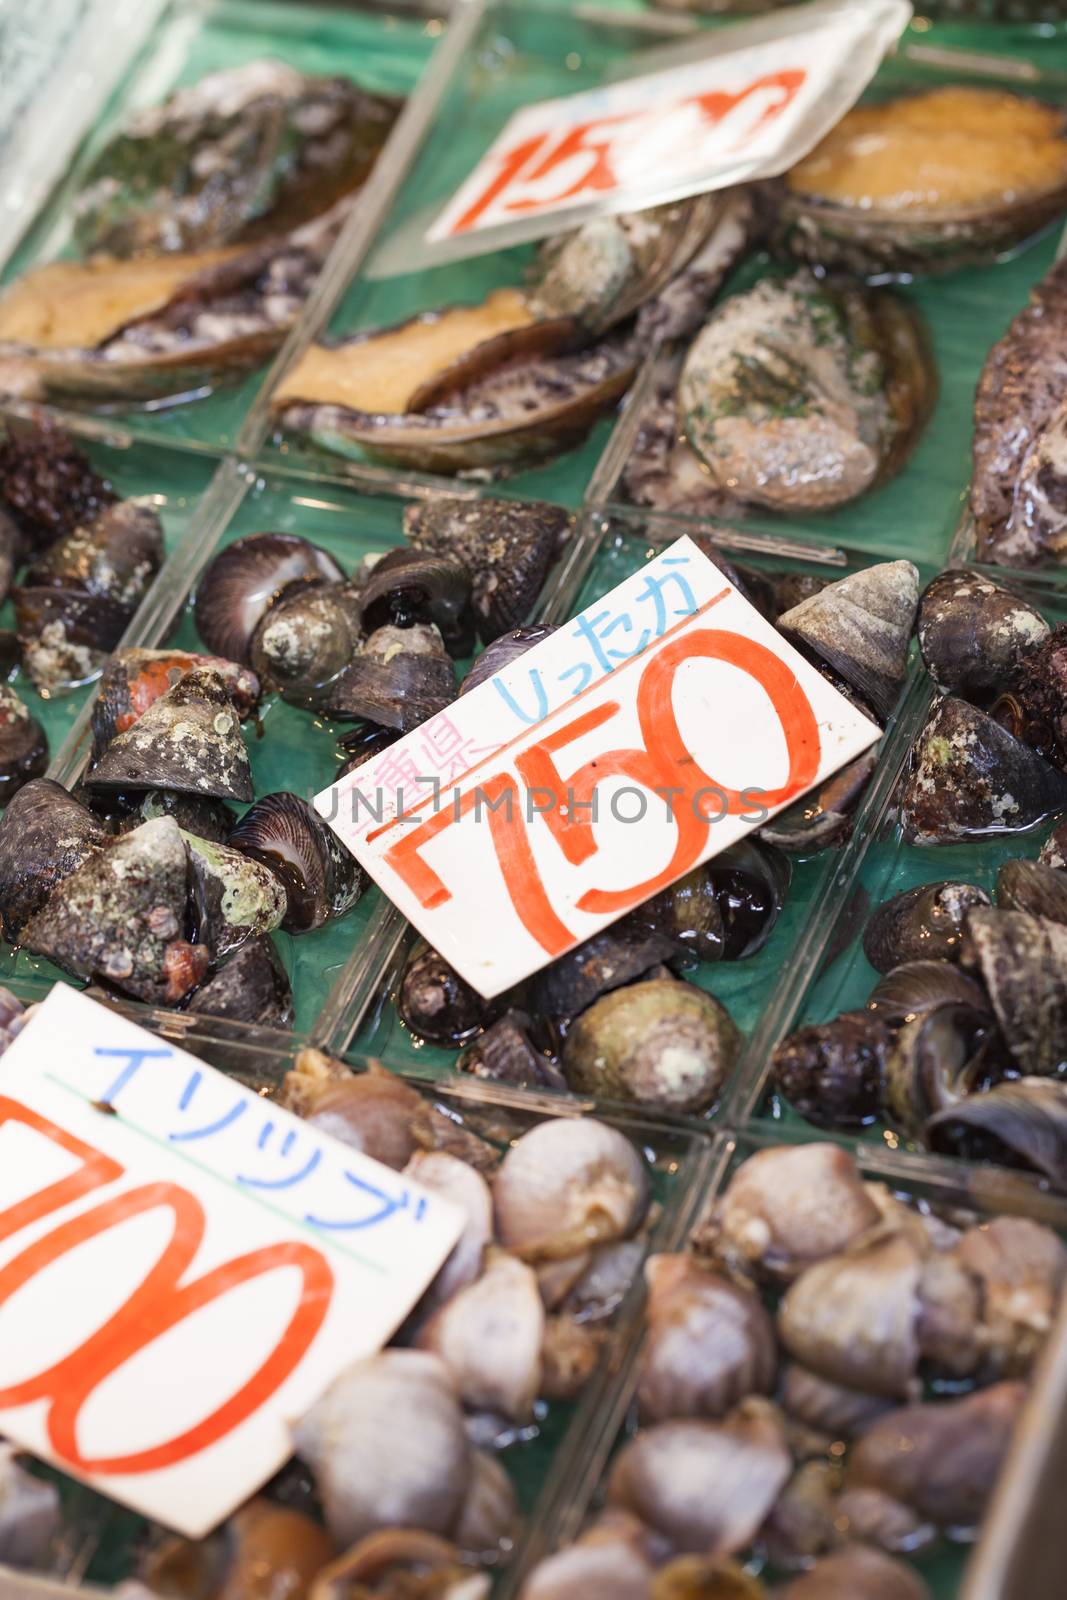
919,513
384,47
833,974
951,1571
100,1541
515,54
371,1025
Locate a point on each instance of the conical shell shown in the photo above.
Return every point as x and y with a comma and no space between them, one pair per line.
45,835
970,777
861,626
1023,961
119,917
189,740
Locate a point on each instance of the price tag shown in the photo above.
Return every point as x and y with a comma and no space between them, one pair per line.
661,725
184,1267
741,104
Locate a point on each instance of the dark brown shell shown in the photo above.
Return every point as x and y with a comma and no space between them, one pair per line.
428,586
45,835
252,987
306,639
435,1002
613,957
920,986
935,1060
507,546
973,632
969,778
23,745
322,879
188,740
504,1054
921,924
400,678
1018,1124
831,1072
1023,963
498,655
1031,886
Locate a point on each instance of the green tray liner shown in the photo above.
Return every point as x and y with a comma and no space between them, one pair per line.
382,48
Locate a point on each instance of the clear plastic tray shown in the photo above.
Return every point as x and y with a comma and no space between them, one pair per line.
384,47
951,1571
100,1540
921,512
516,54
371,1026
295,750
833,974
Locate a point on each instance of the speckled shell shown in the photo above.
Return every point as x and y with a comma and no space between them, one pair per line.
973,632
861,626
921,924
45,835
189,740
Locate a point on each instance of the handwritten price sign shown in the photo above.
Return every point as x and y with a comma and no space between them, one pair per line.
183,1266
657,728
753,101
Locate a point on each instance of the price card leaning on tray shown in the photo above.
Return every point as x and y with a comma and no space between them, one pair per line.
184,1266
662,724
727,106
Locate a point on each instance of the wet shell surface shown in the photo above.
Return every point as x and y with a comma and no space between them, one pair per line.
974,632
188,740
921,924
243,581
1022,1124
23,745
321,879
45,835
566,1186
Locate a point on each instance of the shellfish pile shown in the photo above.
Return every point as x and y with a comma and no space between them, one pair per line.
830,1377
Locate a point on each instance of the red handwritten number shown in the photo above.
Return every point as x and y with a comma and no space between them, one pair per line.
664,764
159,1303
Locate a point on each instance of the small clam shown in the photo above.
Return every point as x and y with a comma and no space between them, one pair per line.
1033,887
861,627
29,1512
399,679
935,1060
857,1573
615,956
785,1208
507,546
23,745
921,924
407,1398
409,585
47,485
78,596
305,640
45,834
920,986
852,1318
435,1002
709,1343
1018,1124
974,633
188,740
1023,963
704,1486
322,879
503,1053
132,680
660,1043
831,1072
969,777
235,897
505,649
942,1458
827,1407
463,1186
252,986
489,1336
568,1184
243,581
927,181
119,917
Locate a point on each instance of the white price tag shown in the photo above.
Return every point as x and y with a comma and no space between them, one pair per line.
184,1267
744,104
660,726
